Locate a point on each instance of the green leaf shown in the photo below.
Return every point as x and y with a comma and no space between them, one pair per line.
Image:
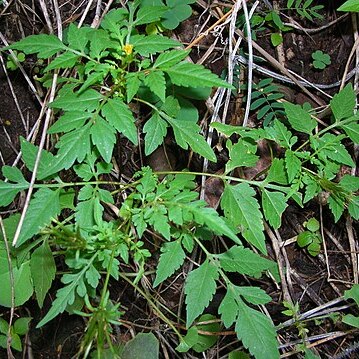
352,130
170,58
148,14
240,154
146,45
44,206
43,270
343,103
242,209
279,133
13,174
67,100
103,137
352,293
29,153
69,121
299,119
171,259
121,118
142,346
188,341
178,12
43,45
66,295
293,165
156,82
63,61
72,146
336,206
205,342
78,37
186,134
277,172
274,204
244,261
228,308
350,5
254,295
155,129
305,238
313,225
351,320
133,84
199,289
113,20
21,325
194,75
22,284
257,332
276,39
8,191
100,40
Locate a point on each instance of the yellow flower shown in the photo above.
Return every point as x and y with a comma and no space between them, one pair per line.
128,49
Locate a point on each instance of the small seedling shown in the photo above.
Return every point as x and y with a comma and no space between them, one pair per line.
321,60
310,238
20,327
11,64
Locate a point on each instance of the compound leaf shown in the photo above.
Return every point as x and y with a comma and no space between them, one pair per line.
156,82
155,129
199,288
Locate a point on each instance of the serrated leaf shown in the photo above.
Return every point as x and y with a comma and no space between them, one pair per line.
242,209
186,134
273,204
199,289
293,165
113,20
171,259
8,191
194,75
66,295
352,130
254,295
156,82
43,270
67,100
72,146
155,129
69,121
29,153
257,332
121,118
343,103
299,119
43,45
228,308
336,206
13,174
279,133
78,37
170,58
63,61
244,261
146,45
21,325
100,40
350,5
353,207
133,83
277,172
240,155
103,137
44,206
330,146
22,282
148,14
